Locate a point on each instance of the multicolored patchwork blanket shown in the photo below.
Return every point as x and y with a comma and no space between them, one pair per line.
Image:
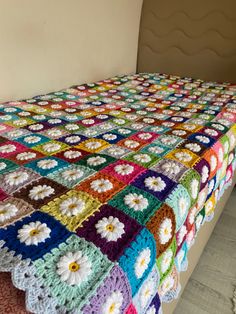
104,187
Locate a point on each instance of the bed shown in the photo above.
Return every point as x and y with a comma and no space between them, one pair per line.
104,188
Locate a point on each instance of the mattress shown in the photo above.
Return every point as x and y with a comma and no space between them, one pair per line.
104,188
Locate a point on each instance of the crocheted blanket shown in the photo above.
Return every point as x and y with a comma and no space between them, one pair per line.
104,187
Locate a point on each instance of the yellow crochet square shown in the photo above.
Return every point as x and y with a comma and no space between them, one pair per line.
184,156
189,127
51,148
93,145
20,123
72,208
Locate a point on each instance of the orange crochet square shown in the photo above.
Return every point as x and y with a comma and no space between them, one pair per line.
212,158
101,186
131,144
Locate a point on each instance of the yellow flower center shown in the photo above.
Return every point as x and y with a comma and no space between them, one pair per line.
136,201
34,232
110,227
142,262
112,308
166,231
147,292
2,212
74,266
72,206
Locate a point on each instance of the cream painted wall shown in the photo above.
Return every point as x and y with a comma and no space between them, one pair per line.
47,45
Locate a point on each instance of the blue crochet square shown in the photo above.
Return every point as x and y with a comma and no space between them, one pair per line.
142,247
52,233
31,140
203,139
44,170
160,189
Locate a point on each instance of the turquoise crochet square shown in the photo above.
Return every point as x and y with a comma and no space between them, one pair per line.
138,259
84,261
71,175
7,166
180,201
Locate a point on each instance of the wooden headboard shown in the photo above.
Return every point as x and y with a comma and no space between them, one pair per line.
189,38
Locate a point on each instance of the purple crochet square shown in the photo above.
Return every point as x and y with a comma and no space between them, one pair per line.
116,282
161,189
128,227
202,166
155,304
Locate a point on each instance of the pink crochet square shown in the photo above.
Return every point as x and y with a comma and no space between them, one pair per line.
5,128
145,137
219,150
125,171
10,148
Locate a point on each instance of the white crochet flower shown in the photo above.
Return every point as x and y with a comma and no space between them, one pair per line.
72,154
36,127
145,136
39,192
143,158
73,139
93,145
202,139
32,139
156,150
119,121
110,228
205,174
151,310
88,121
74,268
209,207
8,148
7,211
123,169
54,121
26,156
72,174
136,202
3,165
131,144
194,185
113,303
34,233
211,132
199,221
148,290
182,232
182,206
167,284
142,262
213,163
171,168
51,147
179,132
116,151
54,133
183,156
72,206
109,137
166,260
96,161
72,127
16,178
124,131
155,183
165,231
194,147
47,163
168,140
101,185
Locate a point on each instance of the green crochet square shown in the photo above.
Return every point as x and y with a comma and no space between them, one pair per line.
71,175
165,262
7,166
191,181
146,160
87,161
146,204
73,296
224,140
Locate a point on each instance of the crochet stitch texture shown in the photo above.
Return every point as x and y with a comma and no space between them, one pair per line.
104,187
